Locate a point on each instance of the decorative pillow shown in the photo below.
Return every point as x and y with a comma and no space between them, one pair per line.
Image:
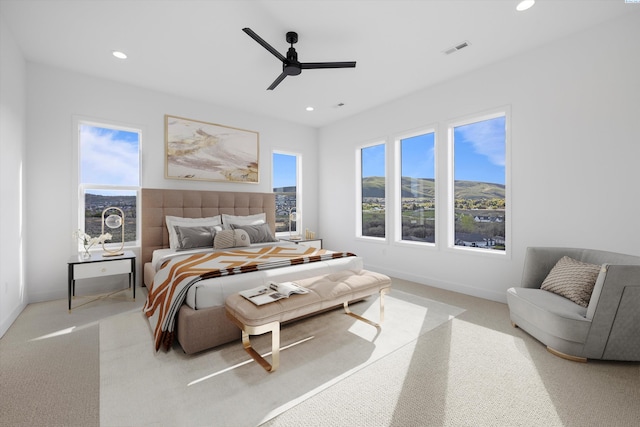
231,239
172,221
257,233
572,279
256,219
194,237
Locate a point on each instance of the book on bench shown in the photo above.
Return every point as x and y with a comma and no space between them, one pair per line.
272,292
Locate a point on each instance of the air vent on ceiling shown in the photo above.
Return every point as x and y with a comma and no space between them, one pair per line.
456,48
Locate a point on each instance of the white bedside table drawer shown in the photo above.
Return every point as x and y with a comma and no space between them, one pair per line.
313,243
97,269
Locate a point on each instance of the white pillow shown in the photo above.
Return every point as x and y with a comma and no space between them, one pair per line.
255,219
172,221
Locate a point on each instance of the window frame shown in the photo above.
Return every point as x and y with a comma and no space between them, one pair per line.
299,203
81,188
397,199
505,112
358,190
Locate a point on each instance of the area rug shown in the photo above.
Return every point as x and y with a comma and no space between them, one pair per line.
225,387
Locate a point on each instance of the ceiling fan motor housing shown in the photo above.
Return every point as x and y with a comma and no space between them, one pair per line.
291,66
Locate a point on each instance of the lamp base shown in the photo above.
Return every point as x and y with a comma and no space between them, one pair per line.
107,254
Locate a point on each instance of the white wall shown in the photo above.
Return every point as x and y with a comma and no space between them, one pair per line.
13,114
575,153
55,96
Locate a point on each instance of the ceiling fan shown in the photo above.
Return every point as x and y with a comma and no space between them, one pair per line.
290,64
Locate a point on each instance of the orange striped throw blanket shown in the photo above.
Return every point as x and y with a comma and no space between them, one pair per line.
176,276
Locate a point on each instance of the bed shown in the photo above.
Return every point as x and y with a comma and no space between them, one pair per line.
200,322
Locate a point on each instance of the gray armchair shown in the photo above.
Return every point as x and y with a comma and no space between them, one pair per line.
609,328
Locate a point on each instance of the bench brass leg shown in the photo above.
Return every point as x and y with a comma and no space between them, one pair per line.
364,319
274,328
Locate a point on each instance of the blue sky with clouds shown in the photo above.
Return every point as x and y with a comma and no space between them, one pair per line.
109,156
373,160
112,156
417,156
479,150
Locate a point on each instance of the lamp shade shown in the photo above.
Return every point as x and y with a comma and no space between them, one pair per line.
293,217
113,221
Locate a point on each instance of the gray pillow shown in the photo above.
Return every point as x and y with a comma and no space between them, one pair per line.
194,237
260,233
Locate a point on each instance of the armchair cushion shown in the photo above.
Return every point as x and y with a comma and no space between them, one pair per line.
551,312
572,279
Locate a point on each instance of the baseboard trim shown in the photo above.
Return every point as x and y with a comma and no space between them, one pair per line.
6,323
449,286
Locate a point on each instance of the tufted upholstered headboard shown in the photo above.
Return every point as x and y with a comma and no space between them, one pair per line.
158,203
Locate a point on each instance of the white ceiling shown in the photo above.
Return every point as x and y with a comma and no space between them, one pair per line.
197,49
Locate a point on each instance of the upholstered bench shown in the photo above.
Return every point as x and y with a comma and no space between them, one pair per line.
325,292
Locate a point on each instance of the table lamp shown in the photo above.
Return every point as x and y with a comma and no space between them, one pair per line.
113,221
293,217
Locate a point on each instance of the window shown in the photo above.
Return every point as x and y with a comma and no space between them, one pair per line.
285,185
479,176
372,194
417,188
109,175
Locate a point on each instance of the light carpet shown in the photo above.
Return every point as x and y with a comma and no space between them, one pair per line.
224,387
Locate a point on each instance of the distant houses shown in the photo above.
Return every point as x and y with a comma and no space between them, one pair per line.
285,202
477,240
483,218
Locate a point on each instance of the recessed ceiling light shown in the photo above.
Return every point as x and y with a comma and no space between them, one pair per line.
525,4
309,108
119,55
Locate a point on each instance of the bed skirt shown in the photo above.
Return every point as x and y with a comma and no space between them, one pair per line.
198,330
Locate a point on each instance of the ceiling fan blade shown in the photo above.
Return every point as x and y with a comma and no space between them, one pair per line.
264,44
312,65
277,81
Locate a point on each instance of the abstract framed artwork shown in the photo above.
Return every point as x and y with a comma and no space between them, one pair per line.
197,150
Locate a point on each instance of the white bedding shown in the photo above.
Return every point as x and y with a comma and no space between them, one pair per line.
213,292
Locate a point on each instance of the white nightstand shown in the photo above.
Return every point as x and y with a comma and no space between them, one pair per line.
313,243
98,265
